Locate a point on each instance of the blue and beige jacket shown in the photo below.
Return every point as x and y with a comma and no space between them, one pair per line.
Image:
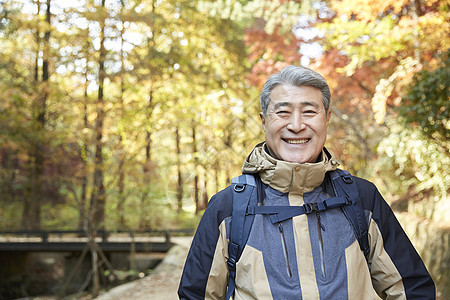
309,257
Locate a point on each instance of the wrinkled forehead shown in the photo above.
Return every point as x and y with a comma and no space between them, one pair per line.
288,95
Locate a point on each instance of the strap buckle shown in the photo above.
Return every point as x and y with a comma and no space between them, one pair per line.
231,262
348,201
310,207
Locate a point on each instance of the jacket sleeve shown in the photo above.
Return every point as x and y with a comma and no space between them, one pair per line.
205,273
396,268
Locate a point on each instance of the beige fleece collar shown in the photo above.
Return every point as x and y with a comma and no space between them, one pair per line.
287,177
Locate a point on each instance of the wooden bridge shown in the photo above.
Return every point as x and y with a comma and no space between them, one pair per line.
76,240
30,260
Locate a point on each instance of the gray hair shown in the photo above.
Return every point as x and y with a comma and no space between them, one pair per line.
296,76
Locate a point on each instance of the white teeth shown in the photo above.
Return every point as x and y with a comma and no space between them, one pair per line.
297,141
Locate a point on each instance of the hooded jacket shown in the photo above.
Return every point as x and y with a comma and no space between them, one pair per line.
313,256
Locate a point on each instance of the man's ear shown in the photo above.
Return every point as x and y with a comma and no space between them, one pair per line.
328,116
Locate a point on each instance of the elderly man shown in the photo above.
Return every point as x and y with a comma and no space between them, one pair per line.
316,251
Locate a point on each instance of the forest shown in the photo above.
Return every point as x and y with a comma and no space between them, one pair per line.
131,114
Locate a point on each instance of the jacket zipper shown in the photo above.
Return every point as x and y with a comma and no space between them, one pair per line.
320,227
283,243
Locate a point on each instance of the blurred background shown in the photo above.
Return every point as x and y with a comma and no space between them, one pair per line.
130,115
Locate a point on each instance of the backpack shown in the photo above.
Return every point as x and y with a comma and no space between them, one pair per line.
248,195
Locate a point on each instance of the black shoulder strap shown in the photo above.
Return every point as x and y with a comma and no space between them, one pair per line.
344,185
244,188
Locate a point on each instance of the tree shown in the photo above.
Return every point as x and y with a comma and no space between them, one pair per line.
426,102
98,197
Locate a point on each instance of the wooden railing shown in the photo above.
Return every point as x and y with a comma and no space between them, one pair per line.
103,234
74,240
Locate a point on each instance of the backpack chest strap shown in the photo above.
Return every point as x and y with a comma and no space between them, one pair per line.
281,213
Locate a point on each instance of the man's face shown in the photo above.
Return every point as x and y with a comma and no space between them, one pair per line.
296,123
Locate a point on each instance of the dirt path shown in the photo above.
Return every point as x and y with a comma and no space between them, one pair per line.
161,284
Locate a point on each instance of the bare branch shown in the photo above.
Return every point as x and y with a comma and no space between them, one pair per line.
358,134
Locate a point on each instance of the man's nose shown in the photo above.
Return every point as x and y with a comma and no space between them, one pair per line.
296,123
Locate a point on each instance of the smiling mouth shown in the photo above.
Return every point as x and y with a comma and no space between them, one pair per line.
302,141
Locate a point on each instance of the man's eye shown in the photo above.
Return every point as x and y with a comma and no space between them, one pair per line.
282,112
309,112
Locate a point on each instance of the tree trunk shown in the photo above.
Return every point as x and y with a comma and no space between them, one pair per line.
32,209
196,189
228,139
84,180
28,193
82,221
196,195
227,176
98,195
121,171
147,180
38,44
180,179
121,186
143,222
244,129
205,191
95,273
